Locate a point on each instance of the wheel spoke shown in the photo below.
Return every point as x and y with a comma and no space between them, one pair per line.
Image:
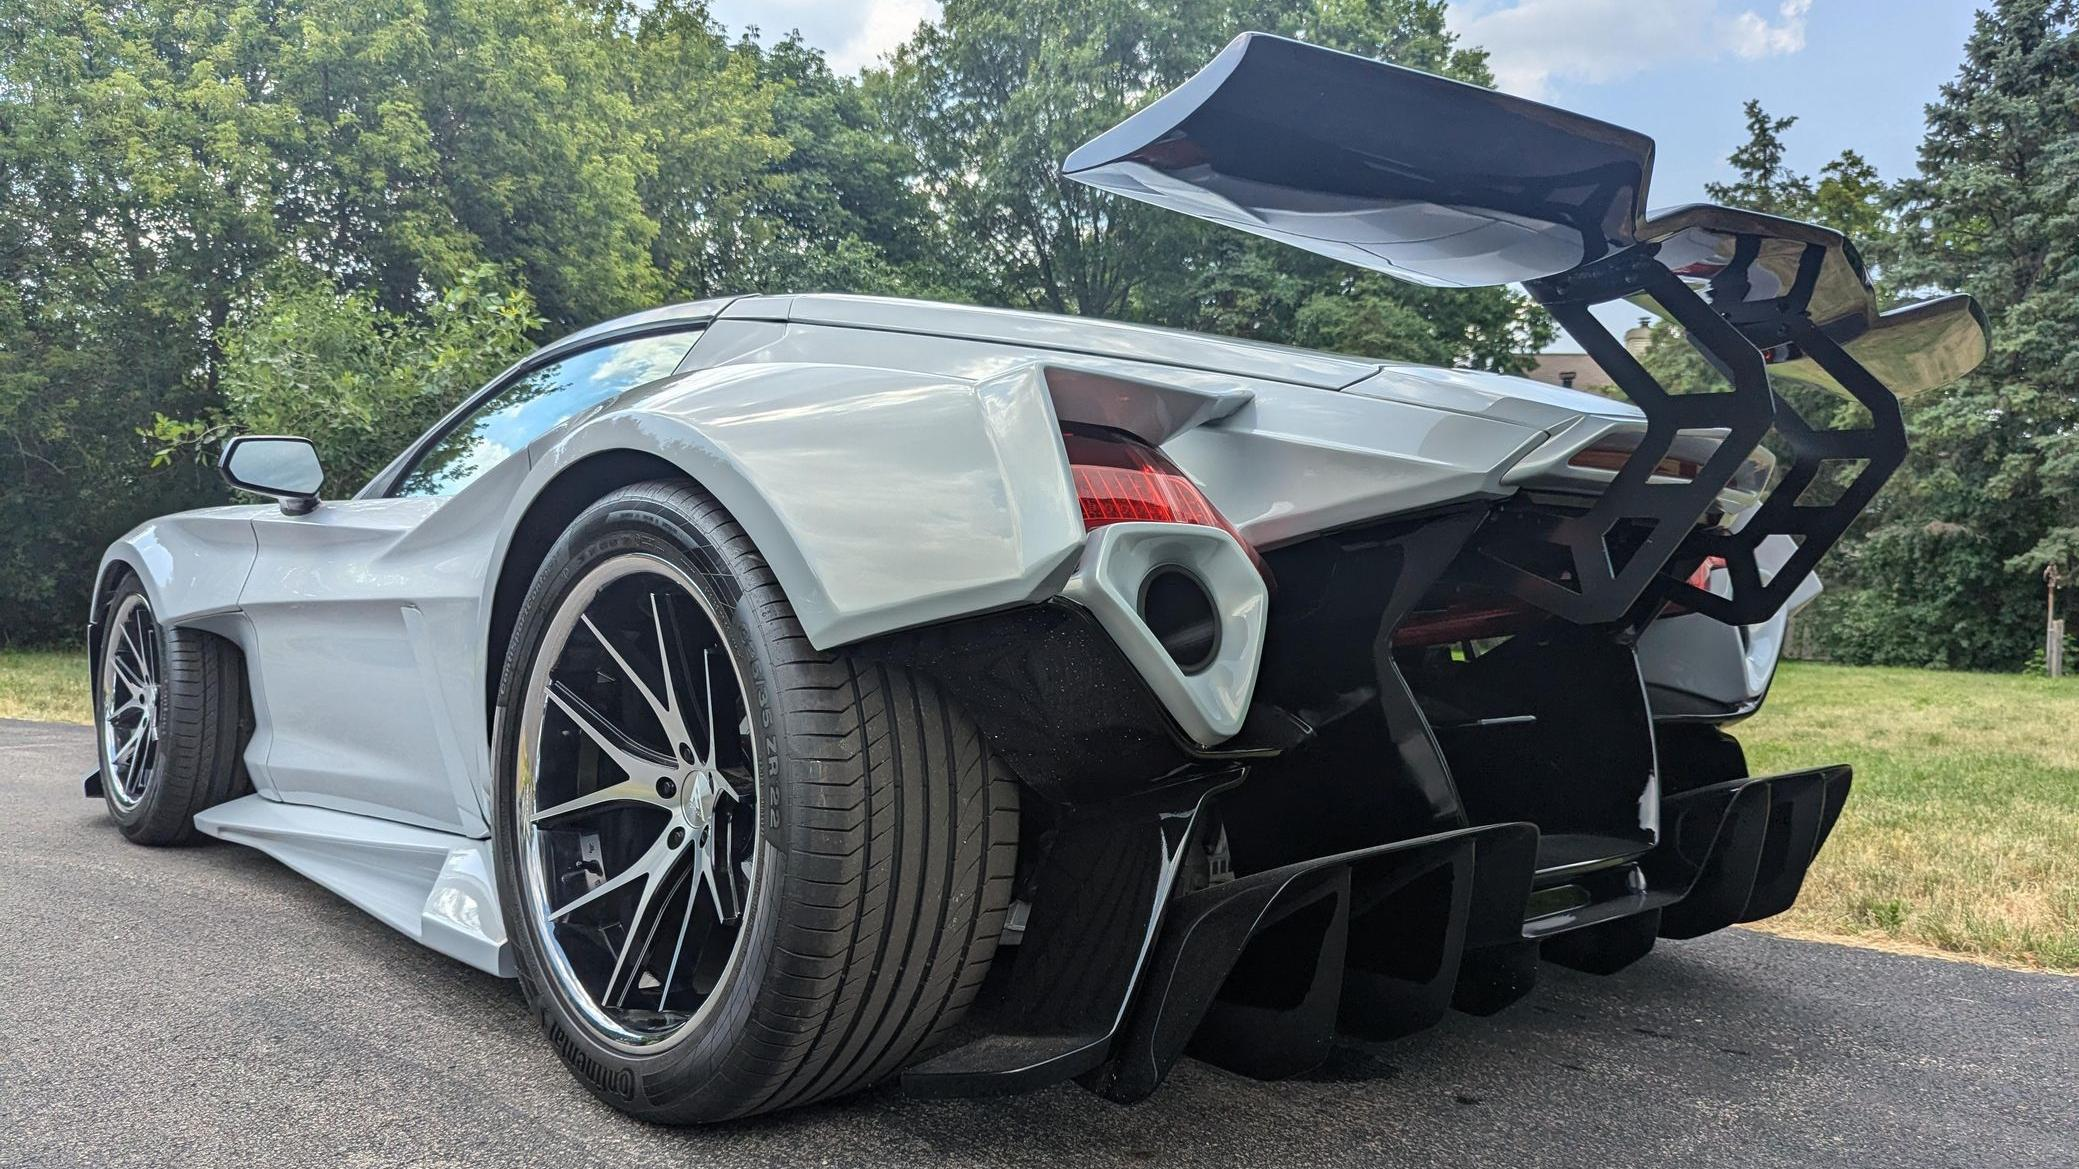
642,931
707,675
645,865
633,762
666,709
128,722
716,873
131,744
624,921
678,948
676,728
628,791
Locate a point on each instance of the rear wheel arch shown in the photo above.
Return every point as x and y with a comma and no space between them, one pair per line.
548,514
615,452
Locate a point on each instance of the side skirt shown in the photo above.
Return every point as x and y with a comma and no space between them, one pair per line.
434,887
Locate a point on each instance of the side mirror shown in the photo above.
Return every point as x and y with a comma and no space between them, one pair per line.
284,467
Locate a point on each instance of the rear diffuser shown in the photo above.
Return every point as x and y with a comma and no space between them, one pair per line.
1121,973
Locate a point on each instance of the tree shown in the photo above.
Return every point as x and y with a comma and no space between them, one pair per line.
1764,182
1943,569
321,178
1848,197
136,202
308,359
1992,492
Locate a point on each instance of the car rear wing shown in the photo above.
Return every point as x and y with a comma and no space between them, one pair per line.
1447,184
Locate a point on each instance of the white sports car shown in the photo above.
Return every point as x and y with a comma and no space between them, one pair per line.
765,682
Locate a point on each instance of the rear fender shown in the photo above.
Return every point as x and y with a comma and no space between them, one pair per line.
884,499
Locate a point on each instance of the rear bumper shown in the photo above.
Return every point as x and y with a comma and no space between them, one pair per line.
1121,973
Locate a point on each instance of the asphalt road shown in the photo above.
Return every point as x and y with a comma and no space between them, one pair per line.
204,1006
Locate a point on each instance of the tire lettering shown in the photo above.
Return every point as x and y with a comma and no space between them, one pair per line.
614,1081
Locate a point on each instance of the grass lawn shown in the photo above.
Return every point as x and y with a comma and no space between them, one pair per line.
45,685
1962,835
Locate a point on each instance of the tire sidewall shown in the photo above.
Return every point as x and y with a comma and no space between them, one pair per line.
691,1075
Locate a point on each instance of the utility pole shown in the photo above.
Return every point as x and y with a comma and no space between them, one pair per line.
2054,628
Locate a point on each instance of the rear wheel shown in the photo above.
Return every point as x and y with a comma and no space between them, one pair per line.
169,713
740,874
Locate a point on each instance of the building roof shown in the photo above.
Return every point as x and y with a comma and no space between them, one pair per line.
1577,370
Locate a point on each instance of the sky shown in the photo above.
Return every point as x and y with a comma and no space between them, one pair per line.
1855,73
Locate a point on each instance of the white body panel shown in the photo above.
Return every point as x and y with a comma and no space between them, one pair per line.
432,886
1701,669
361,619
1294,460
882,498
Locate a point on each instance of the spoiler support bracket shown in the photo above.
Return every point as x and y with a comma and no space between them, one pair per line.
1600,581
1600,574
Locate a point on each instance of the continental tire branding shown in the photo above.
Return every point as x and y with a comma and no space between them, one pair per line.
613,1081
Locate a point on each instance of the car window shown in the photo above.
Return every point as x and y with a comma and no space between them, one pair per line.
535,403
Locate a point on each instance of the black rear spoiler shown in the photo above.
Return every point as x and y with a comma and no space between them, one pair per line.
1447,184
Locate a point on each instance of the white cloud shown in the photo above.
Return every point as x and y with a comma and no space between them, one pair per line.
852,33
1758,38
884,24
1534,43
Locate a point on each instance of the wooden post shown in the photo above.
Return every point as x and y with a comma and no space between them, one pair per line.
2054,626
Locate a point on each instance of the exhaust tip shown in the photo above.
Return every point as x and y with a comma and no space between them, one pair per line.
1178,609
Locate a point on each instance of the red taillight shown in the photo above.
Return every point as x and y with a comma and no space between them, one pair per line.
1700,580
1120,479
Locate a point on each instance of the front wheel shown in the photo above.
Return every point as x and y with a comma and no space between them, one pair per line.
739,874
168,717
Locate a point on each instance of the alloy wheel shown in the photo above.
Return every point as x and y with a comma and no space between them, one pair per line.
130,679
637,792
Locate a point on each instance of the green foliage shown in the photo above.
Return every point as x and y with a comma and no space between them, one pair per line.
358,381
1764,182
1994,211
127,171
336,217
259,213
2039,661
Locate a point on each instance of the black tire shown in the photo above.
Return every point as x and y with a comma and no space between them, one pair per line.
887,838
198,713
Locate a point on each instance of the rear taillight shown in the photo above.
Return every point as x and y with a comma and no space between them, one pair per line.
1700,580
1120,479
